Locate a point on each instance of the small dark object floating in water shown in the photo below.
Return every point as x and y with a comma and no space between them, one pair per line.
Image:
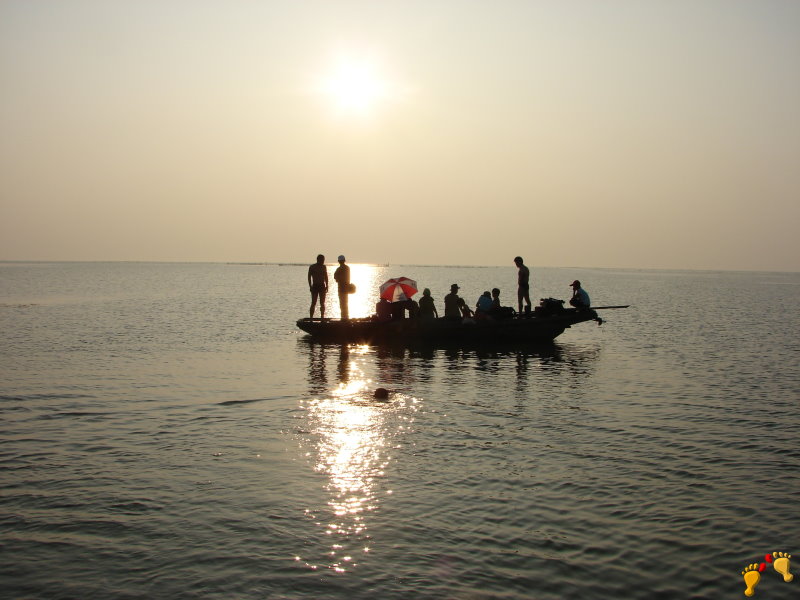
381,394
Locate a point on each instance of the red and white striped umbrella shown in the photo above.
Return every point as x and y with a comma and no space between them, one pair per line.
401,288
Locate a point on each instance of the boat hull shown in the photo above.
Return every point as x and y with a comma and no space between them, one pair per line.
534,330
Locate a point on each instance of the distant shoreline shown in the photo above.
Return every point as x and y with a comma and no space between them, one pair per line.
392,265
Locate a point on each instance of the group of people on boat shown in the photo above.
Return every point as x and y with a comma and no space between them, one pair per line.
488,305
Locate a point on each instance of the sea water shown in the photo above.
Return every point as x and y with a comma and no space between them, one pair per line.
168,432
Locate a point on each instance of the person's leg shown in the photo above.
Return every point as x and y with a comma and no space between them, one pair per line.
343,305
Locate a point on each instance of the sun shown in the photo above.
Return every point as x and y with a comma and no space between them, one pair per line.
356,86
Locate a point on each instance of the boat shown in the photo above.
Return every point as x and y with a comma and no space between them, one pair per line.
540,327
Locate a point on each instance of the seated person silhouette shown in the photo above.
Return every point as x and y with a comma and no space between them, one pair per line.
580,299
452,304
427,309
466,313
384,310
398,309
498,311
484,305
413,308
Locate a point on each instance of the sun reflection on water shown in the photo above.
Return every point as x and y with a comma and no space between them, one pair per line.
352,436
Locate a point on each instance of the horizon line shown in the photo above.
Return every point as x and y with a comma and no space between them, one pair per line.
460,266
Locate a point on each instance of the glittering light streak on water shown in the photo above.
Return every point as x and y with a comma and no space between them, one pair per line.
353,438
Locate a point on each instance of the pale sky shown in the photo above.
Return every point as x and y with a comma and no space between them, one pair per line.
613,133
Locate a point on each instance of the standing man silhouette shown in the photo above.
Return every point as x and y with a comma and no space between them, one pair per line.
318,284
342,277
523,285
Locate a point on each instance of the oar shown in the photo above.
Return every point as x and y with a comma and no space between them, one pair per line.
602,307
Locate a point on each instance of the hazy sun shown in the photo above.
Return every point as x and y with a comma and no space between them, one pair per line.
356,86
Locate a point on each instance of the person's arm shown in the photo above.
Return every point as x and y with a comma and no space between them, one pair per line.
326,279
309,277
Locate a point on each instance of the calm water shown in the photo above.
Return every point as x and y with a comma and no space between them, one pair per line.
168,433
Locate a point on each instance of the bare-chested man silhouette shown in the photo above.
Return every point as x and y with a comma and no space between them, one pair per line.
318,284
523,285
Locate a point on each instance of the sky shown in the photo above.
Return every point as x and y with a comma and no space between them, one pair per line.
603,134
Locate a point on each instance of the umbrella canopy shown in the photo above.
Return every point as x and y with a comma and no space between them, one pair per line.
401,288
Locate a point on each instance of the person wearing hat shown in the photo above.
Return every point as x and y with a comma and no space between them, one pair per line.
580,299
342,277
452,304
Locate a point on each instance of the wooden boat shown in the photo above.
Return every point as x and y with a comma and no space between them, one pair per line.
538,328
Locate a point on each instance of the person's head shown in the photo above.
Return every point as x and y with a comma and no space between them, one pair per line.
575,284
341,259
518,260
426,292
320,258
487,294
496,292
454,288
